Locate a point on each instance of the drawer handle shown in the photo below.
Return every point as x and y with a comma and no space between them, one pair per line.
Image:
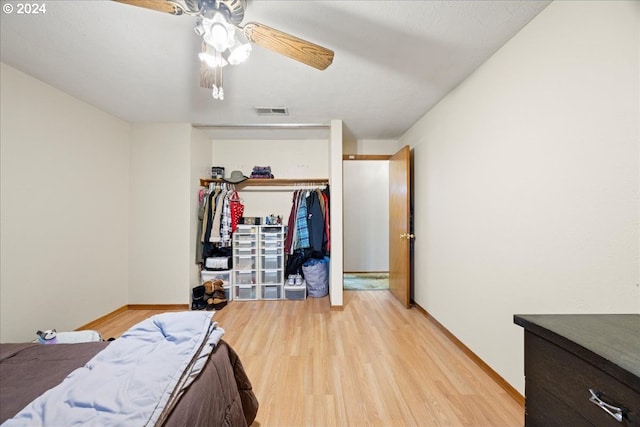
614,411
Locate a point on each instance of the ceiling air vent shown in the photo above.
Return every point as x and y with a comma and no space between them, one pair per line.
271,111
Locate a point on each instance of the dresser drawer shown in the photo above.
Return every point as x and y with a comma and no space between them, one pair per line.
568,378
545,410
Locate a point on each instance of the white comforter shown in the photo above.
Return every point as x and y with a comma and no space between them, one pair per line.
135,381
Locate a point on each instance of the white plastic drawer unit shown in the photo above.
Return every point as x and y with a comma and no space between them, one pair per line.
270,236
271,291
295,292
271,250
245,292
244,262
271,244
242,277
245,250
271,262
245,247
225,276
245,237
271,276
246,229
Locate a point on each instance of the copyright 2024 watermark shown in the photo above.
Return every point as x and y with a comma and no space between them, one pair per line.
24,8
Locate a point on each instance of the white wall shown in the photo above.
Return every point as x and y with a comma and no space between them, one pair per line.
366,215
339,132
63,233
160,235
527,182
378,146
287,158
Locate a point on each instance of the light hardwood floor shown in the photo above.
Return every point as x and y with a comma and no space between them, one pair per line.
373,364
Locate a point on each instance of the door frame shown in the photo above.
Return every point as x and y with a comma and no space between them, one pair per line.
410,195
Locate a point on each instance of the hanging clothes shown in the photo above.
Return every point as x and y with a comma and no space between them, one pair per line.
308,228
301,240
237,209
315,222
220,209
325,196
308,225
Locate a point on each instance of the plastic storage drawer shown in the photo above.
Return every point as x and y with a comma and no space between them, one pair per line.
246,229
271,277
245,292
271,250
246,250
271,291
271,262
242,277
244,262
271,244
295,292
225,276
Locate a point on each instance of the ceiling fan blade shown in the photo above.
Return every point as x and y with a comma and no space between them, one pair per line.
166,6
285,44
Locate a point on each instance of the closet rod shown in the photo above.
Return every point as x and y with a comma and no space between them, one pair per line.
275,182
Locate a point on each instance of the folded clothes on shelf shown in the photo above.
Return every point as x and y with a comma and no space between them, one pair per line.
259,172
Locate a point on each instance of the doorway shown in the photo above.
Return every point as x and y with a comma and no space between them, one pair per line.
376,199
366,216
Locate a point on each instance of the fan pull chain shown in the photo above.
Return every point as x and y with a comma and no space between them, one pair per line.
217,90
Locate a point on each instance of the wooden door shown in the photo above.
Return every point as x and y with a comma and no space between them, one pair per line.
399,226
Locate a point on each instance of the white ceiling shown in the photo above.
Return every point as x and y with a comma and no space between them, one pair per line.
393,60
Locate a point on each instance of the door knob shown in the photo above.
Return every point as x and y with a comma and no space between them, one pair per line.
407,236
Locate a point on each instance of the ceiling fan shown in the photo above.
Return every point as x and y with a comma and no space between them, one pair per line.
218,23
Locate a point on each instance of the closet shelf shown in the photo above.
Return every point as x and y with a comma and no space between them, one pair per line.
275,182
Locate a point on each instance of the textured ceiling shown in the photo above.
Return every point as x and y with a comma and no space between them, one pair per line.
393,61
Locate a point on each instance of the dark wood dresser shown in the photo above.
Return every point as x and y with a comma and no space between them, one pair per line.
581,369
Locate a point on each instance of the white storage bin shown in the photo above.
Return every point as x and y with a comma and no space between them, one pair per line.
244,262
271,250
271,262
244,245
272,229
271,244
245,292
225,276
295,292
271,277
245,250
271,291
246,229
270,236
243,277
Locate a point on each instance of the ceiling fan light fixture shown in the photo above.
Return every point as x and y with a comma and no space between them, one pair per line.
199,28
213,60
218,33
240,51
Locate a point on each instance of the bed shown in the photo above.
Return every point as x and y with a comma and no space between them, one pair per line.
217,393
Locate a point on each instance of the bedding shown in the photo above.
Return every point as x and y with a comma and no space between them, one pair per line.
161,372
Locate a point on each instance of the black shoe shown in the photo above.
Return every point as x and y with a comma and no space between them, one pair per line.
198,302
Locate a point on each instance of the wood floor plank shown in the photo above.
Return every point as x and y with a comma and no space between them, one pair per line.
375,363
